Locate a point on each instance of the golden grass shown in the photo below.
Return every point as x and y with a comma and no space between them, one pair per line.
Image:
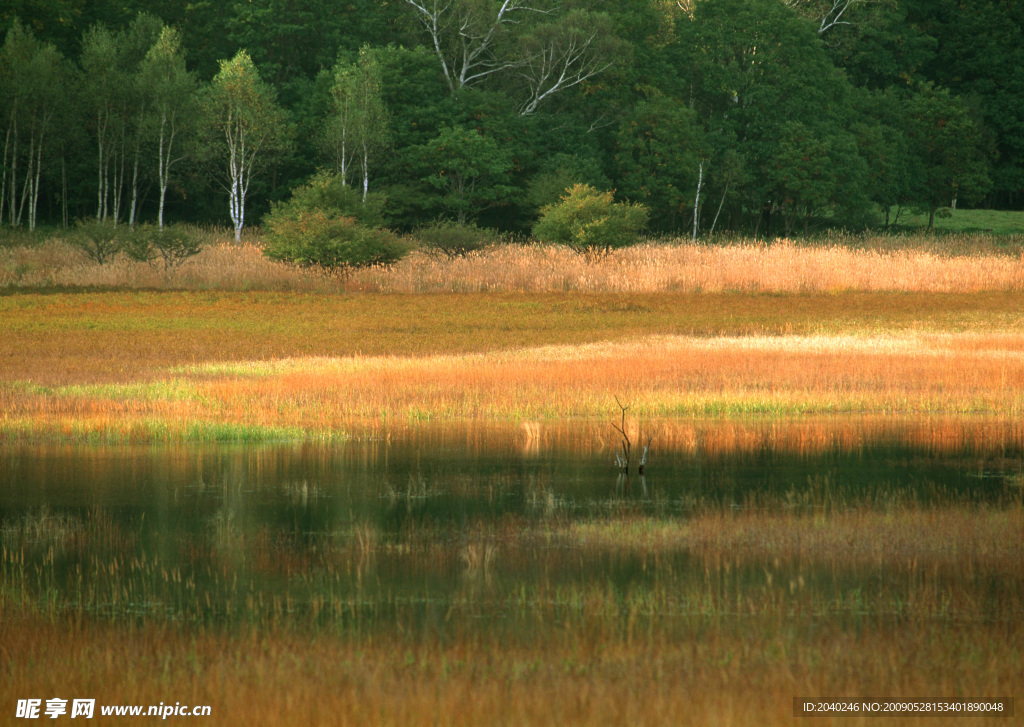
75,337
840,263
662,377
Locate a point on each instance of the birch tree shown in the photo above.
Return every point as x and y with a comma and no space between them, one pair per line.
467,34
32,88
828,14
134,45
243,111
172,97
101,81
550,51
359,126
563,53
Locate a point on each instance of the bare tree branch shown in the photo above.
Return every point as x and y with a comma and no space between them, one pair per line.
832,17
464,38
565,54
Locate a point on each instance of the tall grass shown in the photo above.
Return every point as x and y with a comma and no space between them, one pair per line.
664,378
958,263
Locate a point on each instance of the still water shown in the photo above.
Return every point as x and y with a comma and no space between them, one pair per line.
483,523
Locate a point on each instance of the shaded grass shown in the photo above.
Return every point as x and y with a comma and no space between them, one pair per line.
716,677
993,222
722,617
63,338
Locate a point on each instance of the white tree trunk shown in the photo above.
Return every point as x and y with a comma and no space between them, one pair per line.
33,205
3,181
14,176
722,202
696,202
64,189
135,187
366,169
162,171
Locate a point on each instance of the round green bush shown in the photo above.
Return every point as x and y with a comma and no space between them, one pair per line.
452,238
329,241
587,220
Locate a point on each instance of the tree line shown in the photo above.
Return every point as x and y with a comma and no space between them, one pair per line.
761,116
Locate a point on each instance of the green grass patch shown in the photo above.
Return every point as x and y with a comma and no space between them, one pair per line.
995,222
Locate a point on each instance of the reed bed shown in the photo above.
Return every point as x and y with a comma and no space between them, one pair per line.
662,378
958,263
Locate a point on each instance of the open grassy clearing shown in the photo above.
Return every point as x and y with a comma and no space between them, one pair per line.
995,222
121,366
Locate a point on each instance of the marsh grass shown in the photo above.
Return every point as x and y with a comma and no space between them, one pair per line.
908,373
836,262
715,677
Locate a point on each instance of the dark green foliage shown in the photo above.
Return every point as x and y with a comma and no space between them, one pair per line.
174,244
451,238
589,220
772,119
100,241
468,169
321,239
325,192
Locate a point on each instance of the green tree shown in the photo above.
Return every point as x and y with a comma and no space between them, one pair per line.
470,170
115,104
172,98
947,148
359,126
243,111
589,221
660,159
32,77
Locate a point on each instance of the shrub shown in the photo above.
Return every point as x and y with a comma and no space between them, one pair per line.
329,241
174,244
589,220
100,241
324,192
451,238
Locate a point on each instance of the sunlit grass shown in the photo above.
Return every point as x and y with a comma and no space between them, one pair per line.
961,262
660,377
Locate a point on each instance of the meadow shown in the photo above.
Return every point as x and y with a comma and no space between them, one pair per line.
835,512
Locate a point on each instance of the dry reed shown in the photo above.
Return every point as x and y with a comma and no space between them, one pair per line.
959,264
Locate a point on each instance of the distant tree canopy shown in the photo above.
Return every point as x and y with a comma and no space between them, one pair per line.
763,116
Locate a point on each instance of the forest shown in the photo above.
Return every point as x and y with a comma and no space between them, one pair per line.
760,117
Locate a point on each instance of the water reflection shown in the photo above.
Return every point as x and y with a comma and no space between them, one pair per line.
483,521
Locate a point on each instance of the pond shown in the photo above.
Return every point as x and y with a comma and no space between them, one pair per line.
520,527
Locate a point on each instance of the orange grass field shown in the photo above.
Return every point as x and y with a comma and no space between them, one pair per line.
728,349
177,365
